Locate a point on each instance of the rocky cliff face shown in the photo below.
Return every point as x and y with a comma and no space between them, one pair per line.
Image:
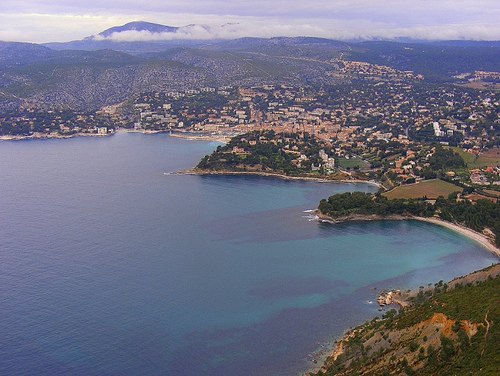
450,329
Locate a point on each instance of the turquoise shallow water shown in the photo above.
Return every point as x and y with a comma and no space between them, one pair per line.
110,267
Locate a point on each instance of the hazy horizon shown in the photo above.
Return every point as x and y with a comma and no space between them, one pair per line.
63,20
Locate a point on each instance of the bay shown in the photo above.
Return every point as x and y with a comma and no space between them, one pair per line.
109,266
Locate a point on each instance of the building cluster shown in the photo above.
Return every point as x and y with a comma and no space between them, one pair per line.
378,114
352,121
351,114
37,121
479,76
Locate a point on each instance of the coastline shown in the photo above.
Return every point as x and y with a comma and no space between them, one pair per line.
195,171
479,275
202,137
41,136
480,238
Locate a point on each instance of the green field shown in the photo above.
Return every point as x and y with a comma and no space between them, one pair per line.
353,162
486,158
428,188
468,158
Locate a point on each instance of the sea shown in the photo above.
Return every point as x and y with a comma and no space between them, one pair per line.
112,264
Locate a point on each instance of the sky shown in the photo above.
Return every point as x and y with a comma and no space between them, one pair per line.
41,21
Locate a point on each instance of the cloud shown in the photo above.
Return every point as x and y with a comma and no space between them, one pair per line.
197,32
207,32
63,20
40,28
336,29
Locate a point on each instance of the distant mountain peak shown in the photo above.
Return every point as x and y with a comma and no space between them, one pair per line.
140,31
138,26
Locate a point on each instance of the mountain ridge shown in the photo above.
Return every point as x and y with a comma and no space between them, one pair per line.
138,26
114,71
162,37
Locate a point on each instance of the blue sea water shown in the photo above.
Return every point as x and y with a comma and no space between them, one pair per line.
110,267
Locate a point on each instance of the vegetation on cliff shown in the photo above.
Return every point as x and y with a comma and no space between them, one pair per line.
448,330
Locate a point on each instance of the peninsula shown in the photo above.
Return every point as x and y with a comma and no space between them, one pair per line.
479,221
460,203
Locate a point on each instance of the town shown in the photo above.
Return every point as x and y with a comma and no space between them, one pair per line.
380,124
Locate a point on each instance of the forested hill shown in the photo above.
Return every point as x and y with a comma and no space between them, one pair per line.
483,214
451,329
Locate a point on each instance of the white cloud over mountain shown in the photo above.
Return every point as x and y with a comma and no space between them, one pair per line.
63,20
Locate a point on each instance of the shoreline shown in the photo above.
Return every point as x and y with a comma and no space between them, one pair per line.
195,171
42,136
202,137
481,274
480,238
49,136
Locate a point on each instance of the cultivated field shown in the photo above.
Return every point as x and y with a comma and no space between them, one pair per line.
488,158
475,197
429,188
491,192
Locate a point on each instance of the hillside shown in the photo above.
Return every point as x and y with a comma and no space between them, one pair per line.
13,53
450,329
437,62
88,80
103,70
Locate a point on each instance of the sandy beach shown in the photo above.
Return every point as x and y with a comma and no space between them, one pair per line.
478,237
203,137
482,239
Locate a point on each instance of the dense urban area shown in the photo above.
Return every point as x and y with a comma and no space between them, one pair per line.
386,125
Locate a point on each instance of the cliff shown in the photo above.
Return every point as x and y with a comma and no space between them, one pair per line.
449,329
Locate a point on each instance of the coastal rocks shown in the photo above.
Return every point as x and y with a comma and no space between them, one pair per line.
361,217
388,297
